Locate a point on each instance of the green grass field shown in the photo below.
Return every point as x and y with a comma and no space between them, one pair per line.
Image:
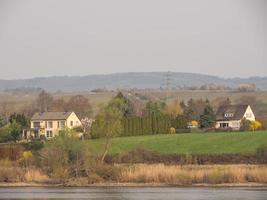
190,143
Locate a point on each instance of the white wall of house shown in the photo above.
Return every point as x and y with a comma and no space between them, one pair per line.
249,115
73,121
234,124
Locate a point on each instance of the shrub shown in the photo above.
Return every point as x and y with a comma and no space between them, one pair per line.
255,125
34,145
261,152
172,130
264,123
105,171
5,134
245,125
11,151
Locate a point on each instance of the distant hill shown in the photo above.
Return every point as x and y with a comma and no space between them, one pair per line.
140,80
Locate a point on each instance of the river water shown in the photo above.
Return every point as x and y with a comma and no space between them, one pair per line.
134,193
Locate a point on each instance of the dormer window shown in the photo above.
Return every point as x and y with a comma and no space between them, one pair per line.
228,114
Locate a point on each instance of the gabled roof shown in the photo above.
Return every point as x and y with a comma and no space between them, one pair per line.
51,116
233,112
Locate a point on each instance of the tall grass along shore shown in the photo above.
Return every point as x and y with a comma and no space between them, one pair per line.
149,174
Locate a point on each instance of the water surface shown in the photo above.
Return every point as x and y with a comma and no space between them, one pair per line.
134,193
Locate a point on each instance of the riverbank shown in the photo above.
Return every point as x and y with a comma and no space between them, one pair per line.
145,175
236,185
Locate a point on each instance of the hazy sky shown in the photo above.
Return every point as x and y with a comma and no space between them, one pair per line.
80,37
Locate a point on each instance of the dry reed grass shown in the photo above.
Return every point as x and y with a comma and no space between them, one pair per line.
194,174
34,175
11,171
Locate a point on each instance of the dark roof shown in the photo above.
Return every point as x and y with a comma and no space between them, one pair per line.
51,115
234,112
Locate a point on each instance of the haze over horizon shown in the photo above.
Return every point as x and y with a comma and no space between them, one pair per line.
141,72
225,38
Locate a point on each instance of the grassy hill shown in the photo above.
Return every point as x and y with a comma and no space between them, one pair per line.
193,143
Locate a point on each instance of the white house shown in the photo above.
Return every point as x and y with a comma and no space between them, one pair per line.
48,124
230,116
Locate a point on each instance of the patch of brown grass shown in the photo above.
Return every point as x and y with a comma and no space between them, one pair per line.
10,171
194,174
34,175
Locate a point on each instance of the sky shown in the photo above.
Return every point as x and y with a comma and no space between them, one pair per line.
40,38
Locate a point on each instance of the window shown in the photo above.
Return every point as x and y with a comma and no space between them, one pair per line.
71,123
50,124
224,125
228,114
62,124
248,115
36,124
49,134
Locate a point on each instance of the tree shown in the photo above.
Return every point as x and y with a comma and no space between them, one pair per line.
44,101
249,100
221,101
20,119
6,108
86,125
180,122
2,122
174,108
58,105
207,119
194,109
5,134
80,105
15,131
153,108
108,123
127,106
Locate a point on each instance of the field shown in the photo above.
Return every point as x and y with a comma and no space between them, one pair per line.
189,143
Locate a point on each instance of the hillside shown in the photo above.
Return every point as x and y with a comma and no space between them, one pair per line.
139,80
190,143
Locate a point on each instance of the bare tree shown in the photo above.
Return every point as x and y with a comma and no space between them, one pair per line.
58,105
44,101
80,105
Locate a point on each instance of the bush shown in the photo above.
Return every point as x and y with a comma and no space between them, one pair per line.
255,125
5,134
11,151
245,125
107,172
264,123
261,152
34,145
59,155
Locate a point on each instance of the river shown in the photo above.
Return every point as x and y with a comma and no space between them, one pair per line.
133,193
